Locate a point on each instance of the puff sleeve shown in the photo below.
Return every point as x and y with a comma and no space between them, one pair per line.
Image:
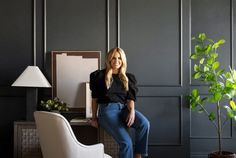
93,84
133,89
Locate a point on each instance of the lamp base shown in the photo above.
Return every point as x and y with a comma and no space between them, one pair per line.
31,103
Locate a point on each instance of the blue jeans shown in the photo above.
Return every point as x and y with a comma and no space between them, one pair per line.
112,118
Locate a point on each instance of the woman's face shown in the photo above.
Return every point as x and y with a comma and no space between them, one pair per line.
116,61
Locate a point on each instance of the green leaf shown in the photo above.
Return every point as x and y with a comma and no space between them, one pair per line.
234,118
196,68
211,77
214,55
193,106
215,65
215,46
197,49
229,92
197,99
197,75
202,36
218,73
230,113
202,61
228,83
212,116
194,93
217,96
206,68
212,100
193,38
200,110
221,41
227,75
233,74
203,100
228,96
194,56
232,105
210,60
208,49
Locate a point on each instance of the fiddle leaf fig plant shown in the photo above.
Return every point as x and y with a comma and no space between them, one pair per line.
221,84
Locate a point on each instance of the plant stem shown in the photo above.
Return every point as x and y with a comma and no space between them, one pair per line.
207,113
219,127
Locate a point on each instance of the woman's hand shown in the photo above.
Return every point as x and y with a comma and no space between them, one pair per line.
130,118
94,122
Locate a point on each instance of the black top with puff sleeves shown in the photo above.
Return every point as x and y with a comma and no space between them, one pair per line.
116,93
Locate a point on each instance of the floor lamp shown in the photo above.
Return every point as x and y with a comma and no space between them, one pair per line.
31,78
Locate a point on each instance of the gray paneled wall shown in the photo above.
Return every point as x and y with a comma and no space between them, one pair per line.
156,35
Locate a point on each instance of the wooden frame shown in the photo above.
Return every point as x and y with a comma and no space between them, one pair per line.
70,73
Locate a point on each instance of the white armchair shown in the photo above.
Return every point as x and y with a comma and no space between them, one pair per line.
57,139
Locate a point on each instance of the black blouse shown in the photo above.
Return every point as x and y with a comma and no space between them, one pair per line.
116,93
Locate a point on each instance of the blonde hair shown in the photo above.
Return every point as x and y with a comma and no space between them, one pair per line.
122,71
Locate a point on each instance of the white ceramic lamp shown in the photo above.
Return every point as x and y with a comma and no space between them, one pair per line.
32,78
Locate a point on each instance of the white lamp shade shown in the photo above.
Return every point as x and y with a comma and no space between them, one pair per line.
31,77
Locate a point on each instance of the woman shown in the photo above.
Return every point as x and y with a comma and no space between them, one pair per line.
114,91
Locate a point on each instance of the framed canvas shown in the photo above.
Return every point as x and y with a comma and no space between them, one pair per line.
70,77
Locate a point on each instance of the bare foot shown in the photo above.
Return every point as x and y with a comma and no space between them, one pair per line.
137,156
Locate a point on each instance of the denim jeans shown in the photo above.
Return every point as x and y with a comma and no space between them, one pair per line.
112,118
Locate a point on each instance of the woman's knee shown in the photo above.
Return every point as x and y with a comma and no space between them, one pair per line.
145,125
144,122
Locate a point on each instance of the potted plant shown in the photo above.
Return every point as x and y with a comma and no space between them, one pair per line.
221,86
53,105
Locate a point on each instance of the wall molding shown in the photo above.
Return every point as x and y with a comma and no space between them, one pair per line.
180,44
45,28
180,98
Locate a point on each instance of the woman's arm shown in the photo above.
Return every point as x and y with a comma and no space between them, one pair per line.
94,107
131,116
94,121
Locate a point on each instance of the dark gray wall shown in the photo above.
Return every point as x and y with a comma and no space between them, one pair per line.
156,36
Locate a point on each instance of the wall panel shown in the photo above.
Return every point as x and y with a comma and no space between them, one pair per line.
170,112
16,39
75,25
150,34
